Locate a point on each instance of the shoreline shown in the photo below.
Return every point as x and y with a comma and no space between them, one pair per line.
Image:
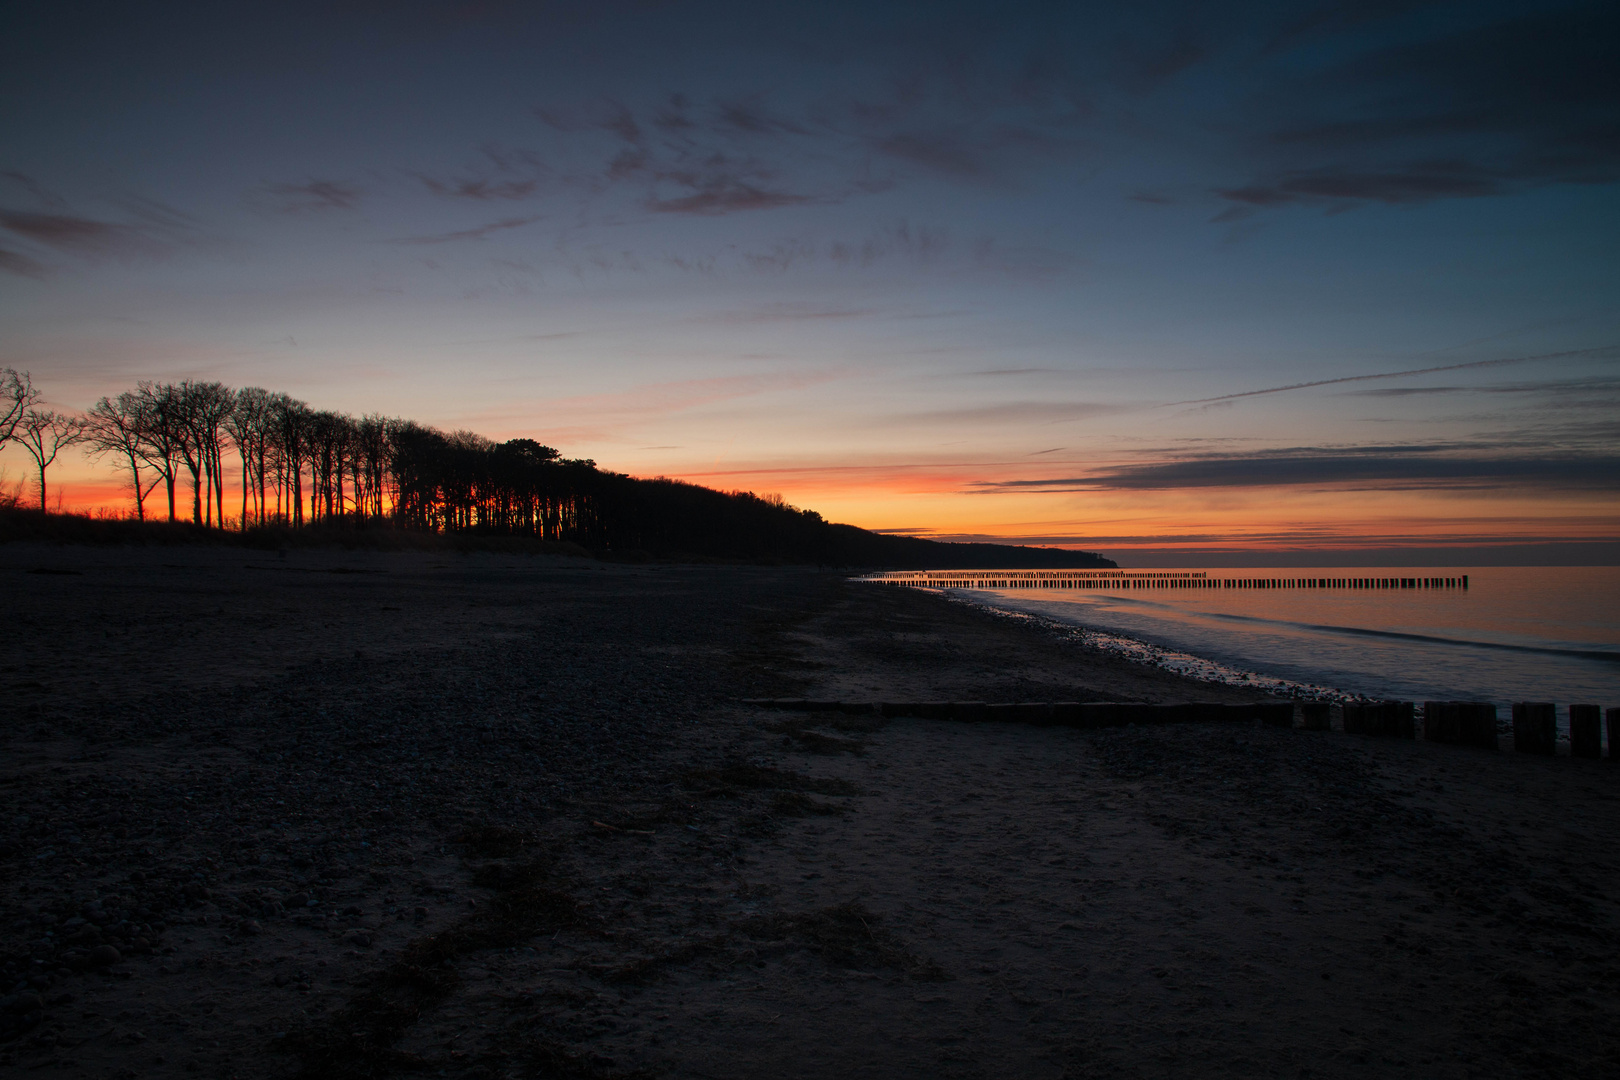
1196,668
284,793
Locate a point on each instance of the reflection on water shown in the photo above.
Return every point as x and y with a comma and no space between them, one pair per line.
1516,634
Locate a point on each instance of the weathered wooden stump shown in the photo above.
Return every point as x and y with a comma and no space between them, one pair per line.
1612,716
1585,731
1133,712
1535,727
1066,713
1276,713
1095,714
1316,716
972,712
1205,712
932,710
1038,713
1355,718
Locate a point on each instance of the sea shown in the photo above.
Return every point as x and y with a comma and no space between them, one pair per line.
1514,634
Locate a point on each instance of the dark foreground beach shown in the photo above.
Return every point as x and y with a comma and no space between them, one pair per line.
359,814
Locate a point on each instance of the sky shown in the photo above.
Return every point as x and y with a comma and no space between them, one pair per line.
1181,283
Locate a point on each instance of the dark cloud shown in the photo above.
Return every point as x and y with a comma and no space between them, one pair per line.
1568,354
1414,184
13,262
45,196
917,242
1466,111
80,235
944,152
620,121
478,233
481,189
1388,468
749,118
315,195
726,196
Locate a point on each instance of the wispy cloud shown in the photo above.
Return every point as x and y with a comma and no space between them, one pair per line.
476,233
1387,468
789,311
1599,351
17,263
315,195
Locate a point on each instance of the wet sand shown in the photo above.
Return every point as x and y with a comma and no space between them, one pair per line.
486,816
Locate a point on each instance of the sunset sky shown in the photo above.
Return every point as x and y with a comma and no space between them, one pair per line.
1159,280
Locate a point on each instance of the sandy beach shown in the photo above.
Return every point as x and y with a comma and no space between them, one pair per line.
324,813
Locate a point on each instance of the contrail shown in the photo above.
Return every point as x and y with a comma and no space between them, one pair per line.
1396,374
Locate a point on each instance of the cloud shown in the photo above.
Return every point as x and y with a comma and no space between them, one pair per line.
1386,468
482,189
478,233
1599,351
943,152
784,312
16,263
1483,106
750,119
1013,412
724,195
45,196
80,235
1027,263
315,195
1413,184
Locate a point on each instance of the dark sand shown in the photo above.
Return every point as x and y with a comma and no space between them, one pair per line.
542,839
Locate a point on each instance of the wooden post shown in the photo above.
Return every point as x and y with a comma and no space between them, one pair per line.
1316,715
1613,718
1099,714
1585,731
1066,713
1535,727
1038,713
971,712
1276,713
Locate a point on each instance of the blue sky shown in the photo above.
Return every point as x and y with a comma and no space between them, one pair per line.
965,270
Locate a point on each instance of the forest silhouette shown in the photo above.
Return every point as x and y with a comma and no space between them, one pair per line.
304,470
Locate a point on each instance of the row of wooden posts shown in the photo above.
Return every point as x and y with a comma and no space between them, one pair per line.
1464,723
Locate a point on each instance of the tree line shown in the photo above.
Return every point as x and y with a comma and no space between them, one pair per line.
299,467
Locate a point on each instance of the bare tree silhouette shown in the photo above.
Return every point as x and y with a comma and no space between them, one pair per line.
249,429
118,426
17,396
44,433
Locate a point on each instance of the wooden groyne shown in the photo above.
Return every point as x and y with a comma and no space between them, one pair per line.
1144,579
1460,723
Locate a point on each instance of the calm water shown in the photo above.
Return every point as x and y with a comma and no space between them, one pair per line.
1516,634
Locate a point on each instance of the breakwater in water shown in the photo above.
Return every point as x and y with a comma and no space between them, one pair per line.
1460,723
1147,579
1497,634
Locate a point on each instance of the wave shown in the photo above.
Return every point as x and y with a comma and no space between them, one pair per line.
1364,631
